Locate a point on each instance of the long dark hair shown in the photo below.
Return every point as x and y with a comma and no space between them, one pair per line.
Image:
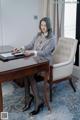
48,24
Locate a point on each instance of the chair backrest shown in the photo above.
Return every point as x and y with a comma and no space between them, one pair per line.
65,50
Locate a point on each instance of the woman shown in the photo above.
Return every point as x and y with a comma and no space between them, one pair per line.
42,45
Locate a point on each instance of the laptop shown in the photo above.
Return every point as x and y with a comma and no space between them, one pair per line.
6,56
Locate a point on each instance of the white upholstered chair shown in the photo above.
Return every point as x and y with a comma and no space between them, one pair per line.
62,62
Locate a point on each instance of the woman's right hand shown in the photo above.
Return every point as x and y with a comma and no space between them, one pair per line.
15,50
29,52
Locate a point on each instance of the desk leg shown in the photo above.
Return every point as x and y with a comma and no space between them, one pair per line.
46,90
1,99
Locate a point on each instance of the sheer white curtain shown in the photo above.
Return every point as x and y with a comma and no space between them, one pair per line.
55,10
1,25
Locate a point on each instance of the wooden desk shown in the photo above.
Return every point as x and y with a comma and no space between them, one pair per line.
19,68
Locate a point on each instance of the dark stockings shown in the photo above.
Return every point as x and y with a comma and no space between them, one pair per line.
27,90
34,88
30,81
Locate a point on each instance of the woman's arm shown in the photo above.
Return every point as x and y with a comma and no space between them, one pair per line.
30,45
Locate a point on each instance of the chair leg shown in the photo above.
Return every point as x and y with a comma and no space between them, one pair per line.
50,86
71,83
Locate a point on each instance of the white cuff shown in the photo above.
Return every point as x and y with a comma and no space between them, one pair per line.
35,53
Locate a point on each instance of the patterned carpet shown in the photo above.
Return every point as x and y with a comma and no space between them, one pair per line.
65,104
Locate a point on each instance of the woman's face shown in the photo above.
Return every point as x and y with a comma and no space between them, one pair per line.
43,27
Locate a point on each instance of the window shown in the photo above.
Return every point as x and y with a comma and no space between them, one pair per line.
70,18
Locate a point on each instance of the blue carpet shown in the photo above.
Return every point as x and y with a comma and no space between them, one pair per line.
65,104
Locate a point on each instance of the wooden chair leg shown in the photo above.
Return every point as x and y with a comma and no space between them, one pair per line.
50,84
71,83
1,99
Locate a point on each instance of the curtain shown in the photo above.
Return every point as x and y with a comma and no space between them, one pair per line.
55,10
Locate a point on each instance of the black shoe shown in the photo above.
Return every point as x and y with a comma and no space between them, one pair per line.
26,107
35,112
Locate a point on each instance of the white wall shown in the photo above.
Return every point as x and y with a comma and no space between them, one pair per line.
18,23
0,34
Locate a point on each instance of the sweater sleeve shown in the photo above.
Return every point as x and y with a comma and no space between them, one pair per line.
30,46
